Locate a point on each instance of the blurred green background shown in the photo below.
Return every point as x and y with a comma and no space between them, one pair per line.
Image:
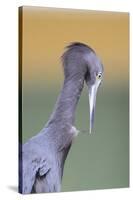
96,161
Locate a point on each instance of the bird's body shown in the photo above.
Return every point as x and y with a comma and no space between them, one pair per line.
43,161
43,156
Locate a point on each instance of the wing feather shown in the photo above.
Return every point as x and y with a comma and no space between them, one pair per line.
32,164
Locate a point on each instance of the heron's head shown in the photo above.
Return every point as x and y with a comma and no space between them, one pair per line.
80,61
93,80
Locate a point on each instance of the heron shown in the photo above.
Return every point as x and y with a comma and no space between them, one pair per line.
43,155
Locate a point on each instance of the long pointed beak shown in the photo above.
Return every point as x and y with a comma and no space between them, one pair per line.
92,102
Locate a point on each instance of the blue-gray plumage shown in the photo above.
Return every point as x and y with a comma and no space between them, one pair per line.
43,156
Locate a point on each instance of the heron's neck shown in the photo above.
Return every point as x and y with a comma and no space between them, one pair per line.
66,104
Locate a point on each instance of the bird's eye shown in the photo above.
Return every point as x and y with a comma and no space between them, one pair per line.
99,75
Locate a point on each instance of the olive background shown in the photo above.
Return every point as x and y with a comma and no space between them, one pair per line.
99,160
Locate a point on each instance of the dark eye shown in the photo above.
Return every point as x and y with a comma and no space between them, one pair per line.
99,76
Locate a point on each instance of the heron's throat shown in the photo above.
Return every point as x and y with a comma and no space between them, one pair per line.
66,104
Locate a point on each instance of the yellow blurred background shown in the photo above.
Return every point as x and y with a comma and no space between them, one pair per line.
47,31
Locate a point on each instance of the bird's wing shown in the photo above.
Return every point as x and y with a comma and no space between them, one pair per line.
33,164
